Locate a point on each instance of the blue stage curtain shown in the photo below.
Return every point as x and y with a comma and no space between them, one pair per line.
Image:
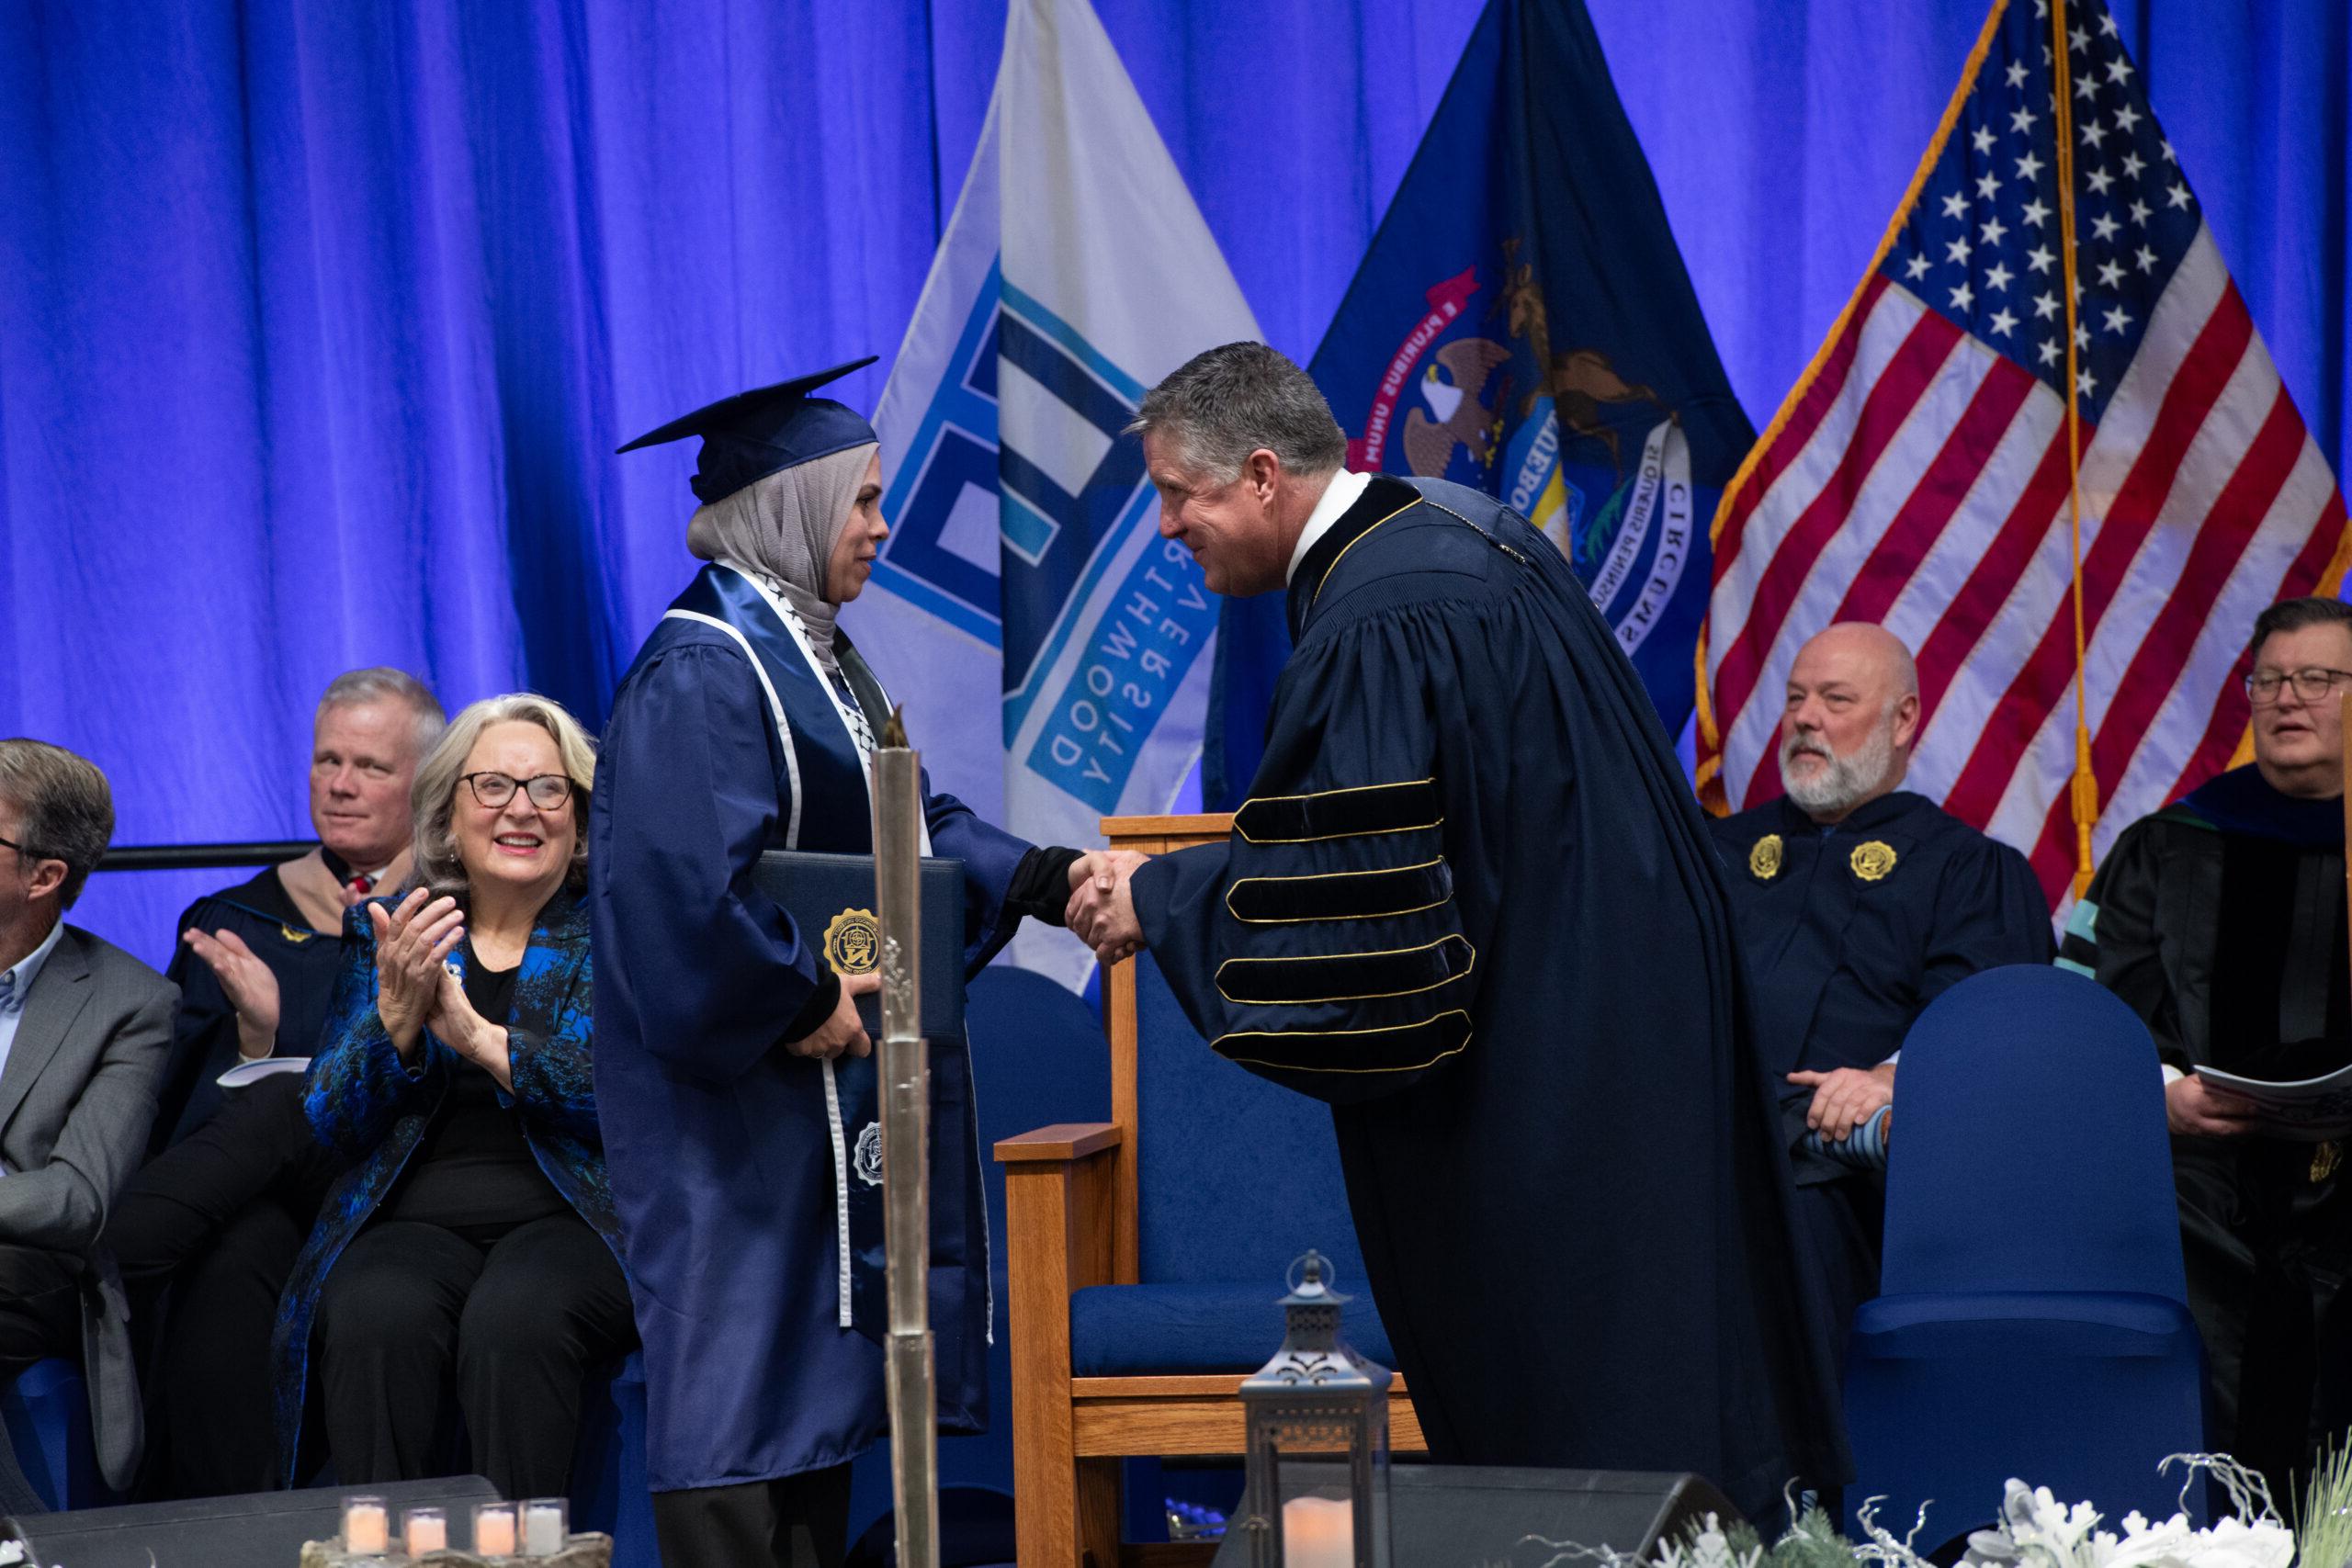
320,319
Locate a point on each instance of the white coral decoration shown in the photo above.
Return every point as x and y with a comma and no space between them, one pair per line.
2038,1531
1709,1549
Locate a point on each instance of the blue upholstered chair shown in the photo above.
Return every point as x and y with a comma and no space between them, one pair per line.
47,1417
2034,1318
1147,1252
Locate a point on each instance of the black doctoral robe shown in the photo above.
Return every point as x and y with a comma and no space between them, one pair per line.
1849,932
204,1028
1471,903
2220,920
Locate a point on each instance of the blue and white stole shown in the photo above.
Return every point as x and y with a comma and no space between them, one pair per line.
828,743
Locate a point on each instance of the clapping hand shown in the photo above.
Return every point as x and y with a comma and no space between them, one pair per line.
454,1021
411,943
248,983
1101,907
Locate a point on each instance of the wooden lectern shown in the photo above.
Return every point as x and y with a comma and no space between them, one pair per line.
1071,1204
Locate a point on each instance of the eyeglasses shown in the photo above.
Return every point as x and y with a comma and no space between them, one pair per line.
2262,687
547,791
25,852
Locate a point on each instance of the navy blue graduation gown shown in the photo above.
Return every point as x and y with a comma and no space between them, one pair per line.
726,741
1472,904
1848,934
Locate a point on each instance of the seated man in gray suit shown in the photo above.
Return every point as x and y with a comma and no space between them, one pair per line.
84,1029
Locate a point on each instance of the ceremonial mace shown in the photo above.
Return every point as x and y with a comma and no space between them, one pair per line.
905,1072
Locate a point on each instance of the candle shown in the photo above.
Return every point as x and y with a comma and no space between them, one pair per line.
367,1526
1319,1532
424,1530
545,1527
493,1530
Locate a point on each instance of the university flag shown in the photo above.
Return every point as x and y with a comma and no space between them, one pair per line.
1523,323
1052,651
1919,474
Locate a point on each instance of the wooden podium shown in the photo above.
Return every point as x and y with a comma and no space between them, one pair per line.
1071,1201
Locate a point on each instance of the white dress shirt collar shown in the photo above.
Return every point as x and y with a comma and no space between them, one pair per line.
15,983
1344,490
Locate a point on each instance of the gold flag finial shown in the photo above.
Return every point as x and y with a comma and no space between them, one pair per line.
894,733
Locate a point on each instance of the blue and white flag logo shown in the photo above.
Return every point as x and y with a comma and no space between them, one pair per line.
1051,648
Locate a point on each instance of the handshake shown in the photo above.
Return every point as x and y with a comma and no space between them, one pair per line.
1101,907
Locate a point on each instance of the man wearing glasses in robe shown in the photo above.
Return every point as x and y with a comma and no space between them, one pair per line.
2220,920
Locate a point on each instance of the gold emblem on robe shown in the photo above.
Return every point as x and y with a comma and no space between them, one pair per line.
2326,1157
854,942
1872,861
1764,859
291,934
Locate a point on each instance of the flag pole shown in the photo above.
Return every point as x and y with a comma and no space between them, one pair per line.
2086,780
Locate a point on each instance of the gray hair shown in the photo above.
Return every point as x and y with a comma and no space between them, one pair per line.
66,810
1223,405
2294,616
383,683
433,797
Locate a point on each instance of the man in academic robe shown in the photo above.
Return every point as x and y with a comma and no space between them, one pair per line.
1857,903
2220,920
207,1231
1471,903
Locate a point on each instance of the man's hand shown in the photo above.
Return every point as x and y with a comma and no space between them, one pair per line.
1102,904
843,1033
2195,1108
1845,1098
247,982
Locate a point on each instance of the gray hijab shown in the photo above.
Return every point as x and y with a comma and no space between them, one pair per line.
781,530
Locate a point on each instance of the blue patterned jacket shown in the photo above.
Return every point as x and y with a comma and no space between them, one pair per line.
372,1109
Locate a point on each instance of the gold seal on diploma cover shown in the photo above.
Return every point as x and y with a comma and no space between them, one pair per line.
1764,858
1872,861
854,942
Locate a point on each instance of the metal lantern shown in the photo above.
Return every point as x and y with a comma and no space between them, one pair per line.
1317,1488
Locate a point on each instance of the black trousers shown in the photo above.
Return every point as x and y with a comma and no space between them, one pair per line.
799,1521
204,1235
2268,1251
413,1312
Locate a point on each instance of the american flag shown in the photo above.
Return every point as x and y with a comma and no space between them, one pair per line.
1917,476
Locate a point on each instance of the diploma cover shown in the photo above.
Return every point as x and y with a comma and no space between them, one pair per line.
831,899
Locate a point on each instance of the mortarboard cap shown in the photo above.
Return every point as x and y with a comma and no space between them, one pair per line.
753,435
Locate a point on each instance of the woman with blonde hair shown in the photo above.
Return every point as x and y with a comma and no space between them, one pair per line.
470,1247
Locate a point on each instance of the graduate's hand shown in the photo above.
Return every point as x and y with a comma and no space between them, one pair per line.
843,1033
1104,868
249,983
2195,1108
1846,1097
411,943
1101,907
453,1021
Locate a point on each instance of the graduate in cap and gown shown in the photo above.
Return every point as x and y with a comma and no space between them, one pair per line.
745,725
1471,903
1857,903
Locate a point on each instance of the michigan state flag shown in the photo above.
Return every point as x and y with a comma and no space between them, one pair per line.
1052,652
1522,324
